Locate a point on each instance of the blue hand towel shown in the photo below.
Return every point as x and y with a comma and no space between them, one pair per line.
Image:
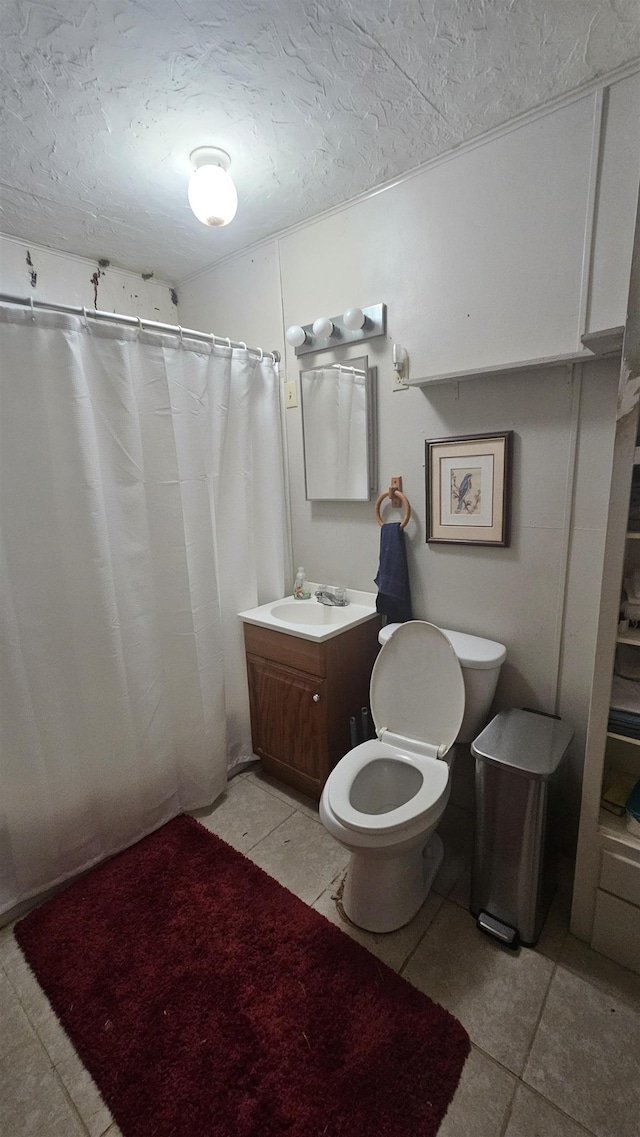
394,594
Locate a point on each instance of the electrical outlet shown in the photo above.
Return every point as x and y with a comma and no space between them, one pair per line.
398,384
290,393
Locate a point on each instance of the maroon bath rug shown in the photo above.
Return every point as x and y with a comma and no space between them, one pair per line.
208,1001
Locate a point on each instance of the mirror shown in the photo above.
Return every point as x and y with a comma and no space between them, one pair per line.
338,431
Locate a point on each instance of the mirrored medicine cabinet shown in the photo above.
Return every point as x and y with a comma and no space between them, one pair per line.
338,430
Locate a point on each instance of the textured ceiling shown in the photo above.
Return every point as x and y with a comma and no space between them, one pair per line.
315,101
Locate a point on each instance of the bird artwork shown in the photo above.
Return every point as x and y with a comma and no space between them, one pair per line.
465,486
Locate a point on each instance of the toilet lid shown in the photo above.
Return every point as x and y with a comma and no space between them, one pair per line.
417,689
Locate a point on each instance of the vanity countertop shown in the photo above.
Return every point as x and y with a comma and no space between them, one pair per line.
311,620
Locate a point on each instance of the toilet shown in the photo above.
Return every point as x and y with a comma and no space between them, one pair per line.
430,688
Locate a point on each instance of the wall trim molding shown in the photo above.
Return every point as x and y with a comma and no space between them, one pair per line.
600,107
601,84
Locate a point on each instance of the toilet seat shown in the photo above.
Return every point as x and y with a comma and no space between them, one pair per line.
419,807
417,705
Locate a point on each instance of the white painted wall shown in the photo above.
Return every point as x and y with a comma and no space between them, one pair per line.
62,278
480,259
244,303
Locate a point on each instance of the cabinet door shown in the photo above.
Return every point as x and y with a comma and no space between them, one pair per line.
288,719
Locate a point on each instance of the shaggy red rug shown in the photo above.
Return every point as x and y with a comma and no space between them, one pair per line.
208,1001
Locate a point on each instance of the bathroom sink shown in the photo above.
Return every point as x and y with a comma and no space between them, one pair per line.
311,612
310,620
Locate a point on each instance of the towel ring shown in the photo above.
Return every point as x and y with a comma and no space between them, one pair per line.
405,501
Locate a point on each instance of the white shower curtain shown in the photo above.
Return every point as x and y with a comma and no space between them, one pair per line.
141,508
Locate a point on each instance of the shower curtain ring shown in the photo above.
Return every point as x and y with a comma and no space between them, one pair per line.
261,355
33,315
180,330
243,345
140,328
84,313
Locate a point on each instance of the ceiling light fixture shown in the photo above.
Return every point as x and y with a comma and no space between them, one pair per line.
212,195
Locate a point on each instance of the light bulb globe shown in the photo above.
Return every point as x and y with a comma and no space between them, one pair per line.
295,335
353,319
213,196
322,328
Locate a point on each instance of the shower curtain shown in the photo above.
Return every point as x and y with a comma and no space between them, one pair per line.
141,508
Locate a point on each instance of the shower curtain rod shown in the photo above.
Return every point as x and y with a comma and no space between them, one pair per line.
136,321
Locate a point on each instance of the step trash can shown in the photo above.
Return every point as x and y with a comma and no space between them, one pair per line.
513,876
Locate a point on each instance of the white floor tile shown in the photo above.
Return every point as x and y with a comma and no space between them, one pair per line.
15,1028
294,798
497,994
76,1079
302,856
533,1116
586,1057
578,957
32,1101
481,1101
244,814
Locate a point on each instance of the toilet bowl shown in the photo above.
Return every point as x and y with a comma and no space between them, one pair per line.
384,799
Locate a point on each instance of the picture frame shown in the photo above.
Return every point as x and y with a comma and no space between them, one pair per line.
468,489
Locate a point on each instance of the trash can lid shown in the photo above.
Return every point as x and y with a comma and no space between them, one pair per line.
528,743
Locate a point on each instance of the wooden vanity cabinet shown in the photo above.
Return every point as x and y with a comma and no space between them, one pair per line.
302,694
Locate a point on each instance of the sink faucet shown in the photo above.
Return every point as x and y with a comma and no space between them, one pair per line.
332,596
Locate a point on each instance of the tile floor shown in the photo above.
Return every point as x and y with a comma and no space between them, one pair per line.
555,1031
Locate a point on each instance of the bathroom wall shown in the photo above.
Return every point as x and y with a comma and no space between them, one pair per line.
59,277
505,250
485,256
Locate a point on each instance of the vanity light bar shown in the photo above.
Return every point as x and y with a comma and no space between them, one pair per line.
375,324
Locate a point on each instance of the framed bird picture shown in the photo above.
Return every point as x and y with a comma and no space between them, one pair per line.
468,483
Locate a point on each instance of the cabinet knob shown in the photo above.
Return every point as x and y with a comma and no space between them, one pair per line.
316,698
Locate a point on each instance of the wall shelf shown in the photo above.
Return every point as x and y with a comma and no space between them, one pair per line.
597,345
624,738
632,638
616,827
605,342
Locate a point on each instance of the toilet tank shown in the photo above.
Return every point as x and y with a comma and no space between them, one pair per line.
480,661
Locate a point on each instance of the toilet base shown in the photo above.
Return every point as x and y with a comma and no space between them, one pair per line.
433,854
382,894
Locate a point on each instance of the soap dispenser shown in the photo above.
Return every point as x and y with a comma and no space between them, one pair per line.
299,589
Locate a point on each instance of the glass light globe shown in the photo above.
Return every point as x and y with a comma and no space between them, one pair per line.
322,328
212,195
295,335
353,319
